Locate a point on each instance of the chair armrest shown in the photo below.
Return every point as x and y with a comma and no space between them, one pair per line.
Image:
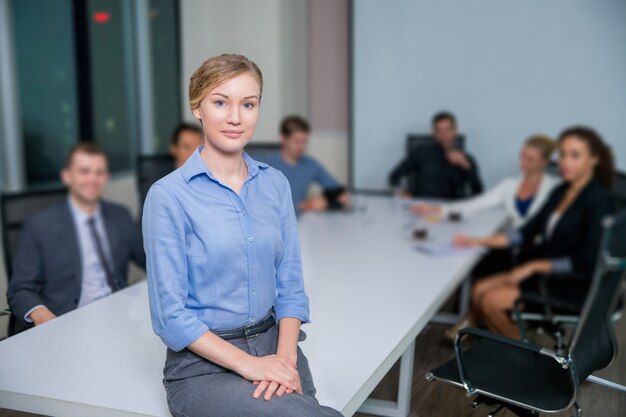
5,312
486,335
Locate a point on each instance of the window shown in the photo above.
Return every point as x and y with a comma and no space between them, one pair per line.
46,72
77,79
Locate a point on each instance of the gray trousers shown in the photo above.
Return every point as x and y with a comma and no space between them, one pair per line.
196,387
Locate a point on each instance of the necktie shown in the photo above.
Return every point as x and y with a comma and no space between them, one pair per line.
100,251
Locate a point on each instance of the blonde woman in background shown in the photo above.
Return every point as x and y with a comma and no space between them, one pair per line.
521,196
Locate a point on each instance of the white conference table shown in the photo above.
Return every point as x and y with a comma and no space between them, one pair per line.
371,293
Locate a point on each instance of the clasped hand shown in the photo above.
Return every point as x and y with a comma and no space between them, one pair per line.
274,375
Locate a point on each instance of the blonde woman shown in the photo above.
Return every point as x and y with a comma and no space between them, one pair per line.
521,196
224,271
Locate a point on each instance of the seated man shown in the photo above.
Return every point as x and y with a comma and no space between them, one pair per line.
302,170
443,171
76,251
185,139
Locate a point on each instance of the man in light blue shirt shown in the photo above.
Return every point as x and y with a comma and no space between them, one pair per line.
302,171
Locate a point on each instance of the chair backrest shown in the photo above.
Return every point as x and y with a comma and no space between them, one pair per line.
619,190
261,151
553,168
414,141
593,344
151,168
15,207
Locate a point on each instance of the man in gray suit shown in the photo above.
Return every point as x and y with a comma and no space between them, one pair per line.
76,251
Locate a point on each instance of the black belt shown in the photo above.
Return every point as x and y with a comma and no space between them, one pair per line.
247,332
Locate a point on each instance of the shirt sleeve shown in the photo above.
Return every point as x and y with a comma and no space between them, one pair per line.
409,164
473,177
561,265
166,266
28,279
27,318
585,257
291,299
490,199
323,178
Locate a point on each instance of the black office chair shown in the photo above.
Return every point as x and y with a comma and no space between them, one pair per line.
414,141
529,379
553,168
15,207
262,150
552,305
149,169
619,190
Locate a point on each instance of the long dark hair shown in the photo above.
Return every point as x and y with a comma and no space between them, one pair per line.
605,169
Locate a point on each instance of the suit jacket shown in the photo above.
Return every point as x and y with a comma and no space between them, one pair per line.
47,264
578,232
436,177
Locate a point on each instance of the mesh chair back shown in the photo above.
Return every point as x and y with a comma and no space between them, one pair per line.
619,190
15,208
151,168
553,168
414,141
594,344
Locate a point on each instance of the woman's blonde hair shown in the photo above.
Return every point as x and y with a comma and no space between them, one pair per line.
216,71
544,144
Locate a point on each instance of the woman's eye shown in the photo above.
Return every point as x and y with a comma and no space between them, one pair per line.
220,103
248,106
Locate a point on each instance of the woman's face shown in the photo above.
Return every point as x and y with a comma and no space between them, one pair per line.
229,113
575,159
531,160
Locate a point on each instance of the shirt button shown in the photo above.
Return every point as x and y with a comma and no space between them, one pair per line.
243,212
253,292
252,266
249,238
252,319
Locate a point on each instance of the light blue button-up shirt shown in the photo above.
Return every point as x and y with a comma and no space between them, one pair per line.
94,283
301,175
217,260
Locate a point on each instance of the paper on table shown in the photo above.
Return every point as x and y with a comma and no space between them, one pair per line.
446,249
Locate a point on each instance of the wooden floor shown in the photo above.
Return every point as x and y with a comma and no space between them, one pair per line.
433,399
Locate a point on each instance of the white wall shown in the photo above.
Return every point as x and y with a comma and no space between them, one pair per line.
507,68
273,33
282,37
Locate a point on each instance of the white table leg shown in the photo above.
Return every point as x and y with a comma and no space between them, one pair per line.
464,305
402,406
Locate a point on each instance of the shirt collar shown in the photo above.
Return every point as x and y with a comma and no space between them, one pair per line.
81,216
196,166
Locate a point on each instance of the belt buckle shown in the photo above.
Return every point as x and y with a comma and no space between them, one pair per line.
247,330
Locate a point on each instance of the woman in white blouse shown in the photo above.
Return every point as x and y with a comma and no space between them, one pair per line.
521,196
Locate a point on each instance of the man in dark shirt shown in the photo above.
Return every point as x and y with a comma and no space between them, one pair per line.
442,170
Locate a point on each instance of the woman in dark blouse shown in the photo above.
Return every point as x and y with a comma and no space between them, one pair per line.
562,238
